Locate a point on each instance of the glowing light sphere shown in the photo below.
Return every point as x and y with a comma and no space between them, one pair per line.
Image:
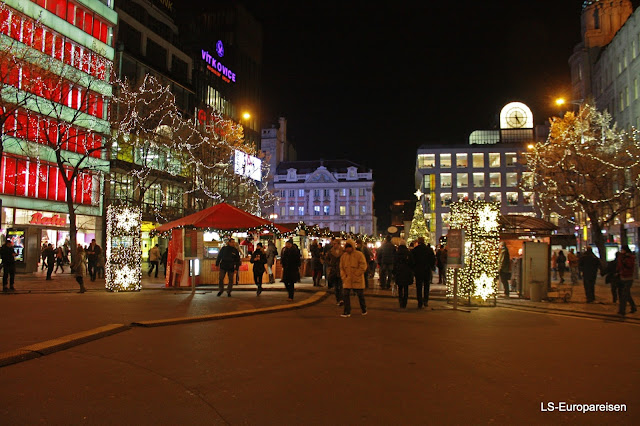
484,287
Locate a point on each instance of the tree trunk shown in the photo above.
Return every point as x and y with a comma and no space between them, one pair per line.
73,230
596,235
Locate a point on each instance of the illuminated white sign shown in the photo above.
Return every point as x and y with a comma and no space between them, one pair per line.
247,165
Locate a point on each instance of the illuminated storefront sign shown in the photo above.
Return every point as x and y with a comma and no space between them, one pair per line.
40,219
217,67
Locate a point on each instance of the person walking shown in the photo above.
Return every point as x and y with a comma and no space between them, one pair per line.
290,267
403,265
353,266
626,266
561,262
154,260
228,261
554,265
8,256
574,265
77,267
272,253
424,263
332,260
93,251
504,260
163,260
362,248
59,260
316,262
590,265
611,277
385,256
43,255
259,259
50,257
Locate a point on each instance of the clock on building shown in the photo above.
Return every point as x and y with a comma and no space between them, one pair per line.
516,115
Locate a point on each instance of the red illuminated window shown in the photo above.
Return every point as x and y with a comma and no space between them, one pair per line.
53,176
16,24
41,181
21,177
9,174
4,21
27,32
32,178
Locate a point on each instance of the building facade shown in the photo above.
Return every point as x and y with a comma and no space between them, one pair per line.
477,171
335,194
605,67
57,58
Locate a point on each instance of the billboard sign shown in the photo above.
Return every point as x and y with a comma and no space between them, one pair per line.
247,165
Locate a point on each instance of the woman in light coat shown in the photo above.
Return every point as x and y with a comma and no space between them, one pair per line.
352,267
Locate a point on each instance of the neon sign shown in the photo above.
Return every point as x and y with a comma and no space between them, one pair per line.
218,68
55,220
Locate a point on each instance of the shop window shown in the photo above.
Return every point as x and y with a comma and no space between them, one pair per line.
478,160
462,180
445,180
494,159
495,197
462,160
495,180
478,180
426,161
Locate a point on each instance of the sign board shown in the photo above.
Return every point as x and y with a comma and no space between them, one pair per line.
247,165
455,248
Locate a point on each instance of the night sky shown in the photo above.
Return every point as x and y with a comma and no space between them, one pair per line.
372,81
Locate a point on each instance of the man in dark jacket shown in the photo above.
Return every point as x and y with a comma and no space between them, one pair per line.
625,268
385,254
290,258
424,263
50,256
229,261
589,265
8,256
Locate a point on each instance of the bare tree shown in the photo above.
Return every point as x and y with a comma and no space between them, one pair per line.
589,167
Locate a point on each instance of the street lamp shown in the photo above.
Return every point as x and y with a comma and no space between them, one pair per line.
246,116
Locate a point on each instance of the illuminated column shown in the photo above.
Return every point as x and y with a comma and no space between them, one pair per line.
123,268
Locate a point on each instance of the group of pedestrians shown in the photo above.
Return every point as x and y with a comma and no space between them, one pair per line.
619,274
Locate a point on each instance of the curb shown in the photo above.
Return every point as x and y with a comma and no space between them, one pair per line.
569,313
318,297
50,346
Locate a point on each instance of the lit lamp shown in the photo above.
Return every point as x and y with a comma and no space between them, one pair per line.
246,115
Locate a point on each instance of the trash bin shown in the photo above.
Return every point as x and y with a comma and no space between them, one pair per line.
535,289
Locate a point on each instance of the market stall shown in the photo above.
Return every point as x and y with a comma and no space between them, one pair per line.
196,240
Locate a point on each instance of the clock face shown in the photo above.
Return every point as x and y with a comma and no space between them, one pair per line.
516,117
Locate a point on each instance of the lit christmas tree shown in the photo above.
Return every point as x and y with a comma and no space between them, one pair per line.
418,224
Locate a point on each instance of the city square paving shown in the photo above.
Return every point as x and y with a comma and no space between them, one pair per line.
309,366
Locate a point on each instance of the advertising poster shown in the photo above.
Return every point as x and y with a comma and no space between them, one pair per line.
17,237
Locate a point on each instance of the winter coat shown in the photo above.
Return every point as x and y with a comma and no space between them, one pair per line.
154,254
272,252
504,261
316,256
424,260
403,265
259,259
386,253
228,258
560,260
332,260
77,266
352,268
590,265
8,255
50,255
610,272
290,258
626,264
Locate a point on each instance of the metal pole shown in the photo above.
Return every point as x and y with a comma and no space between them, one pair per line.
455,289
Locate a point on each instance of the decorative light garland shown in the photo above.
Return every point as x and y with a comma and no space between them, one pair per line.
123,266
479,219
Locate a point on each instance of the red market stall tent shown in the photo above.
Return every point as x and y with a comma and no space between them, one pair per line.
187,260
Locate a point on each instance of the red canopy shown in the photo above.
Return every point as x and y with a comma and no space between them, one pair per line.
220,217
